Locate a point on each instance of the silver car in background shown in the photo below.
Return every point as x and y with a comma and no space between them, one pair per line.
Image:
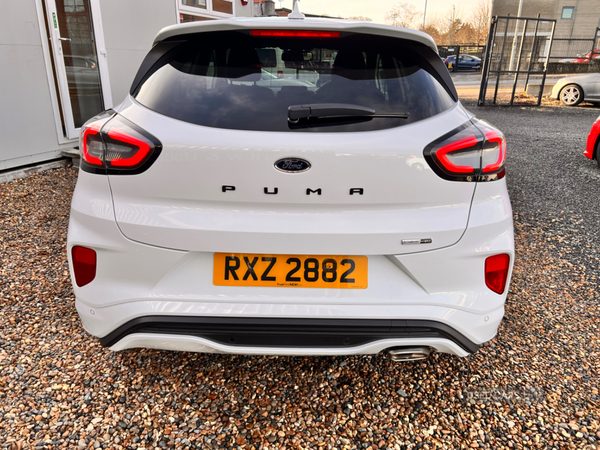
575,89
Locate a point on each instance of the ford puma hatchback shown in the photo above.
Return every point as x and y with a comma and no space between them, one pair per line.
291,187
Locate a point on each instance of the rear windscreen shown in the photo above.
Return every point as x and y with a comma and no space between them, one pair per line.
234,80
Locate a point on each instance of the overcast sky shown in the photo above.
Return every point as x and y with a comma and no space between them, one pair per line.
376,9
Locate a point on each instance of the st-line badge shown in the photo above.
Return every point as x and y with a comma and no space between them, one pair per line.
416,241
292,165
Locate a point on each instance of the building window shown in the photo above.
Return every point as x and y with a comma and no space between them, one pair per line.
195,10
194,3
185,18
567,12
222,6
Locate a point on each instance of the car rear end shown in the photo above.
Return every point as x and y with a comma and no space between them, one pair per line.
593,142
208,218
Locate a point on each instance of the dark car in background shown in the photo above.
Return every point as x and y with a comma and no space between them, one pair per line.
465,62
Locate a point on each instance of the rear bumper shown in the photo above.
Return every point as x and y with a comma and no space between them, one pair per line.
146,296
240,332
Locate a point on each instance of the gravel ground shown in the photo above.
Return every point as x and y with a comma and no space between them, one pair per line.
534,386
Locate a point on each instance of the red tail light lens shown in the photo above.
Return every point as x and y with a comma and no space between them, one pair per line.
84,265
117,146
461,155
90,142
472,152
127,146
92,148
295,33
456,156
496,272
494,150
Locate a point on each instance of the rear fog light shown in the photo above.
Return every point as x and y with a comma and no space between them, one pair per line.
84,265
496,272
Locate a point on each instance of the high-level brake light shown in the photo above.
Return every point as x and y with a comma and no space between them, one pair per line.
296,33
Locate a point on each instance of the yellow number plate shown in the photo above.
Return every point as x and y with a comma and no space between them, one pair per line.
298,271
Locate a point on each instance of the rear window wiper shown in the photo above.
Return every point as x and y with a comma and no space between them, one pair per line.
296,113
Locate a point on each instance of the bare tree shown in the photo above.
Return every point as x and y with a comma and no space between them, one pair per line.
366,19
403,15
480,20
451,25
465,35
432,30
435,27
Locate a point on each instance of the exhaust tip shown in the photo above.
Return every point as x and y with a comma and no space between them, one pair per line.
406,354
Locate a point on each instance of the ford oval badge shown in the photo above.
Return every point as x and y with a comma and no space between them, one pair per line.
292,165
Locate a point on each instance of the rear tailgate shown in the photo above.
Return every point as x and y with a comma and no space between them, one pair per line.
180,202
223,125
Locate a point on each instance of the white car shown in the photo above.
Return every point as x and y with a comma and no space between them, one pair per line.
574,89
368,215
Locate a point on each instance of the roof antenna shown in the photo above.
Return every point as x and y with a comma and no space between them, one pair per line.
296,14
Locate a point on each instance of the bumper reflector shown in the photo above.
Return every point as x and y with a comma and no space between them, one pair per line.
84,265
496,272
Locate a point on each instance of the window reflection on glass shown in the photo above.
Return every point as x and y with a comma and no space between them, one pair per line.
74,6
194,3
219,80
185,18
80,58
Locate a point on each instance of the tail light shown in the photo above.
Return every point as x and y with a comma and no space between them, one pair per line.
496,272
472,152
91,144
84,265
494,151
456,156
116,146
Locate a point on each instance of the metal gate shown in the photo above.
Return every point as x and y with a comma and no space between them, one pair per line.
516,60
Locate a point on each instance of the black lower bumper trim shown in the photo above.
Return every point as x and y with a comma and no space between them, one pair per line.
275,332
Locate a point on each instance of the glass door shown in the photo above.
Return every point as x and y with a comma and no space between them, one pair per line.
81,74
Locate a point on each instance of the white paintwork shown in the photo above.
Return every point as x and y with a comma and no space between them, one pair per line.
135,279
155,233
403,198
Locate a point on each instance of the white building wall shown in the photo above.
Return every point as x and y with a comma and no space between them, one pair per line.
129,30
27,127
30,129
